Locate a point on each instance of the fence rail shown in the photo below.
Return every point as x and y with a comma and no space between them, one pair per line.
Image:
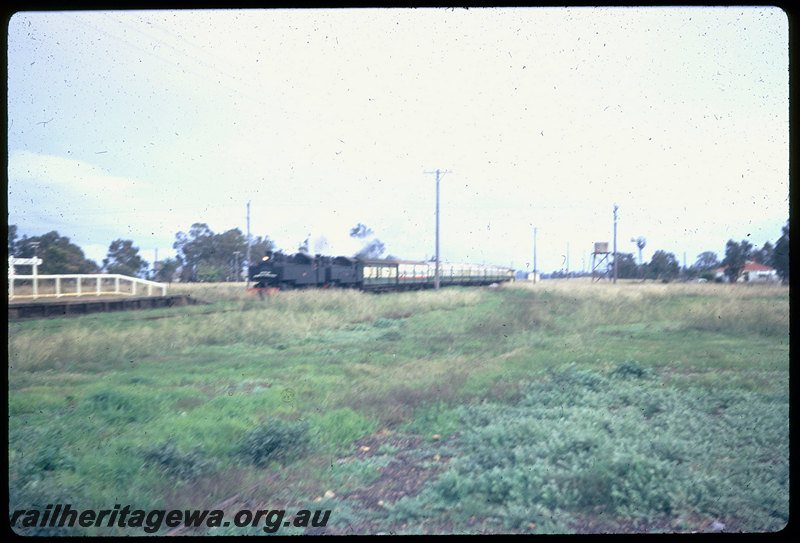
95,284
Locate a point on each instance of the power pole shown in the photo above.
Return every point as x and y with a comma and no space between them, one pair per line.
248,244
534,255
615,243
436,273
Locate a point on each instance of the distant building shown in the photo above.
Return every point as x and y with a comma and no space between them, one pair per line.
521,275
752,272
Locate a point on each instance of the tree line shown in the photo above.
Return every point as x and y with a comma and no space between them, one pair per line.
203,255
664,266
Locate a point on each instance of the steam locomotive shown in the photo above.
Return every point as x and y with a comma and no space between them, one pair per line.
280,271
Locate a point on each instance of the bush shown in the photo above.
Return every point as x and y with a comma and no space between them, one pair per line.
185,466
572,377
274,440
117,405
632,369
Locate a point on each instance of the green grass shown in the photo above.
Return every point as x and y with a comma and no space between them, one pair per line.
558,402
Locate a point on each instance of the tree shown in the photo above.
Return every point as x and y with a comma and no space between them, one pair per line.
763,255
706,260
59,255
210,273
12,239
663,266
259,247
703,266
165,269
626,266
736,254
780,254
123,258
193,248
217,254
224,257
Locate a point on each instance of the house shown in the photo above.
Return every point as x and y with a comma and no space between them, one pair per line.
752,272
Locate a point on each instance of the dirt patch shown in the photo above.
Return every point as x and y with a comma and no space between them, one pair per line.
404,476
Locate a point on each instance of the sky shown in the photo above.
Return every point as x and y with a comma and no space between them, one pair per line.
137,124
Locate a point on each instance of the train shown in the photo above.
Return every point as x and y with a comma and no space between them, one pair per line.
278,271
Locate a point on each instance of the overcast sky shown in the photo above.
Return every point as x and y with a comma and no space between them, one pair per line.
136,124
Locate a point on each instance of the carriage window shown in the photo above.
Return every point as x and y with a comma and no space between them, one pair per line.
386,271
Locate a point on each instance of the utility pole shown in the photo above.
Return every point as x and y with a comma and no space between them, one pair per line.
534,255
436,273
248,244
615,243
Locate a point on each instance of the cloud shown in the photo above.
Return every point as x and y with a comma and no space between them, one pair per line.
33,174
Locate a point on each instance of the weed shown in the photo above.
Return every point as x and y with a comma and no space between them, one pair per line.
339,428
181,465
391,335
274,440
632,369
117,405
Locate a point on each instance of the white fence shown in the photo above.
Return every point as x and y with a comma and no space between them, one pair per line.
96,285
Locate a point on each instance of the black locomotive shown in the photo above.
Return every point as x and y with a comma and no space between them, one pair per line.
279,271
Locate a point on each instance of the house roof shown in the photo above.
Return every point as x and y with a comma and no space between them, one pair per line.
749,266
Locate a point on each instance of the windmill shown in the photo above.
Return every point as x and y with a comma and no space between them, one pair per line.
640,243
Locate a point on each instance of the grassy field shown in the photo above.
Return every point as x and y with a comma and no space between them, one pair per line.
560,407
